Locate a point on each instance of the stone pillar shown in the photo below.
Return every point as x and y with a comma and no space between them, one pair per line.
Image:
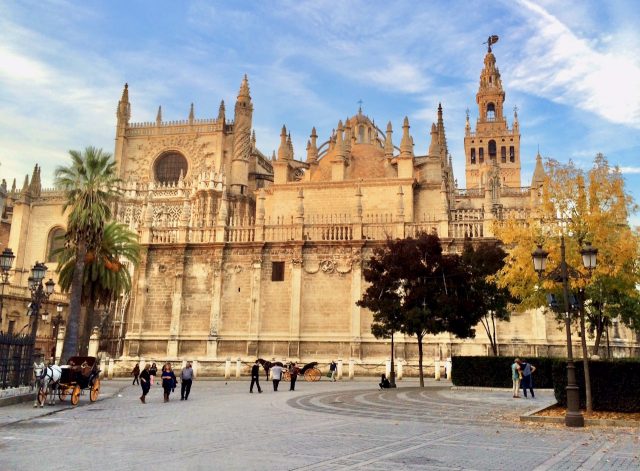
351,368
436,367
387,368
60,343
110,369
447,368
216,305
94,342
227,369
399,364
256,277
103,366
238,367
356,291
142,363
339,372
176,308
296,297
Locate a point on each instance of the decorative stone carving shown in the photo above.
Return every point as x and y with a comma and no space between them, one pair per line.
327,266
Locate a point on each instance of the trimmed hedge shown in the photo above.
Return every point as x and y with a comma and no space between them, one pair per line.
495,372
615,385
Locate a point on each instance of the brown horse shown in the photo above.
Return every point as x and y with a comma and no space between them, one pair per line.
267,365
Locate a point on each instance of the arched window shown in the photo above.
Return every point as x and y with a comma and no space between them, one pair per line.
492,149
491,111
512,154
168,167
361,135
55,242
473,156
481,154
503,154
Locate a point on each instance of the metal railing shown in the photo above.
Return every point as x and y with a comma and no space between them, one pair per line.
16,353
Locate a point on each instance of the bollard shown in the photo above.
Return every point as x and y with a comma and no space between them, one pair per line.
447,368
388,368
110,369
399,370
238,367
227,368
351,368
142,364
437,369
195,364
184,364
103,366
339,372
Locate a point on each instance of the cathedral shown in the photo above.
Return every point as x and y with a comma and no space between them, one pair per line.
247,255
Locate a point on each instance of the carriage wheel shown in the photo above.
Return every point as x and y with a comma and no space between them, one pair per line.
312,375
42,396
286,376
75,395
95,390
63,391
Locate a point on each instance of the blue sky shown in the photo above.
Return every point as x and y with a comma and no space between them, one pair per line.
571,67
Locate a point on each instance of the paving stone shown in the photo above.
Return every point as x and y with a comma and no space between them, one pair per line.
321,426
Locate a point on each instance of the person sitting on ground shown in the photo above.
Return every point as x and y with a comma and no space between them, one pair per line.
384,382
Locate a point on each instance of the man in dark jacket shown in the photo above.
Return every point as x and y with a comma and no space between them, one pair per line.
255,377
145,382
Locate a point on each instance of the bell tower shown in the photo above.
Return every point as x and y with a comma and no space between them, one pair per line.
492,143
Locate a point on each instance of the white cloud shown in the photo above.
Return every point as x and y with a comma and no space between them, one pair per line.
630,170
565,68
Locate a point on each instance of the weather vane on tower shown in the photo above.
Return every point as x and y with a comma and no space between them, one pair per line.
491,40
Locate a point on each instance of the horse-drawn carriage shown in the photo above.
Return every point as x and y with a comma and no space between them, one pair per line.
79,375
310,371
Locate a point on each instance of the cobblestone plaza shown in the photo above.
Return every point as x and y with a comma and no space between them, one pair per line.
332,426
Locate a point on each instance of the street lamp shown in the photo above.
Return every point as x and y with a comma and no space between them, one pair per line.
6,261
574,417
39,294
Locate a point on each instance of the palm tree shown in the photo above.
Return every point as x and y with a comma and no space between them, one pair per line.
105,275
90,186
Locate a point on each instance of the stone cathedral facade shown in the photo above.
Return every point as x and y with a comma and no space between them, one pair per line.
247,255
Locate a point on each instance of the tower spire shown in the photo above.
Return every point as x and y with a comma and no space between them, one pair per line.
159,116
388,143
191,114
124,107
221,112
282,150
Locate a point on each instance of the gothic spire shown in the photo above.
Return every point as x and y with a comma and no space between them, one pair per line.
159,116
538,173
388,143
406,144
221,111
243,94
282,150
312,147
124,108
191,114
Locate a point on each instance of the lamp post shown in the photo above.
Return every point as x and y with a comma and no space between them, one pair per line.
39,294
6,261
574,417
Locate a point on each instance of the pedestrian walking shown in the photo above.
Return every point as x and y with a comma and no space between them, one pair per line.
145,382
276,376
527,378
136,372
333,368
516,374
168,381
255,377
293,371
186,378
152,373
384,382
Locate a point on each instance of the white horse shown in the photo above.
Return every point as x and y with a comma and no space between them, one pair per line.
47,379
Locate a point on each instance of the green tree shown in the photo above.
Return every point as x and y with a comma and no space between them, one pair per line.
105,276
90,185
483,263
417,289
